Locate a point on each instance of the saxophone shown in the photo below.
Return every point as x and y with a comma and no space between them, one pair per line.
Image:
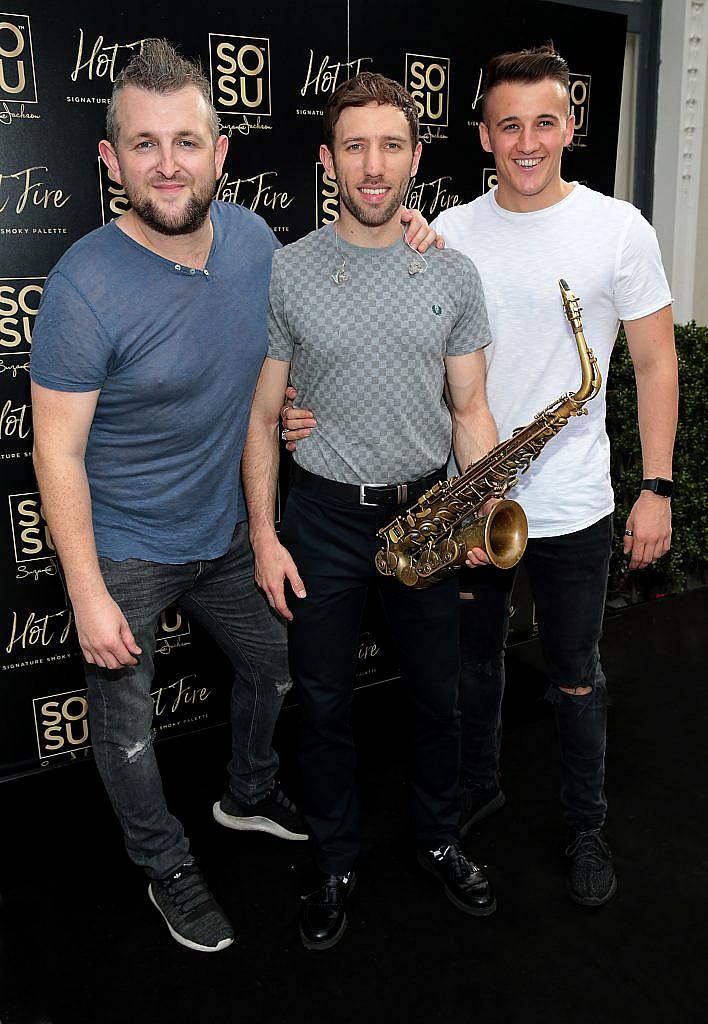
427,542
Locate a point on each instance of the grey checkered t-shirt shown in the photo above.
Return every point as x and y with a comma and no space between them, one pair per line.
367,356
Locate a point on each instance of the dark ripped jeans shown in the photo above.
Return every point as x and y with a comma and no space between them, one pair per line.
222,595
568,577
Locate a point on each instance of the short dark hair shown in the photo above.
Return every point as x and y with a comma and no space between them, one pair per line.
527,66
363,89
159,68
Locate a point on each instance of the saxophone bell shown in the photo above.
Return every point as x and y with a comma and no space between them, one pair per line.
502,535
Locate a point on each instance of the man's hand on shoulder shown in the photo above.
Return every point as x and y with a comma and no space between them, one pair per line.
274,564
648,535
419,235
105,637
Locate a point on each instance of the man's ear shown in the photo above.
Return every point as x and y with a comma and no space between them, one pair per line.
569,129
327,161
484,137
220,151
110,159
416,158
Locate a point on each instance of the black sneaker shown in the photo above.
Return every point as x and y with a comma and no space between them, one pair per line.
193,916
591,876
465,884
274,813
323,915
478,802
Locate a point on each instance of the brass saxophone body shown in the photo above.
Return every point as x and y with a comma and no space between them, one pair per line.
430,539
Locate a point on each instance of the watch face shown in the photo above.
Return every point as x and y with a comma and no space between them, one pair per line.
664,488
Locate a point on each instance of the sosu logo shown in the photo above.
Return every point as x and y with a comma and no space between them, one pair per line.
427,80
62,723
489,179
19,302
114,201
326,197
31,534
580,103
240,74
17,82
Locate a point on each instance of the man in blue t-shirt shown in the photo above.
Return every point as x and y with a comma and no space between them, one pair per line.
147,348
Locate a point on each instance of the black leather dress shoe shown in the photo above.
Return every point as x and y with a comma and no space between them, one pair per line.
323,917
465,884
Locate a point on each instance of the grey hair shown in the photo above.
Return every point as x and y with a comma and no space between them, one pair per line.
160,69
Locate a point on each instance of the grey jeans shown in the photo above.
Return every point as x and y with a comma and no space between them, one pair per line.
222,595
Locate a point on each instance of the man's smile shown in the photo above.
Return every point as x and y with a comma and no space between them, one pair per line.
528,163
374,193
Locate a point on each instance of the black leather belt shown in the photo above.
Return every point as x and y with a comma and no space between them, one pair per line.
367,495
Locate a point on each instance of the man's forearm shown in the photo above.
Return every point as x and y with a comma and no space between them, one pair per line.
473,435
66,502
657,410
259,468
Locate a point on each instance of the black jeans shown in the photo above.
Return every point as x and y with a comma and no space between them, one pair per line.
568,577
333,544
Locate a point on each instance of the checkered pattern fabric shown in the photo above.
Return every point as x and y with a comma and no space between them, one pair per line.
368,355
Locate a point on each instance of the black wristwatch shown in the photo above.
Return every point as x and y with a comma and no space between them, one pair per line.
664,488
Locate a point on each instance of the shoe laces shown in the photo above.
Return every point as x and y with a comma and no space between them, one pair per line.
187,890
282,800
590,847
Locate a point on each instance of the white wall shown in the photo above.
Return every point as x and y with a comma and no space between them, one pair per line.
700,292
681,161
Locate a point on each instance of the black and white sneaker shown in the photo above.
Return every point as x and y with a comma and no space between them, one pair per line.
274,813
591,875
191,913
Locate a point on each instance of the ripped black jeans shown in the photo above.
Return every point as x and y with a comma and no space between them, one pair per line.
222,595
568,577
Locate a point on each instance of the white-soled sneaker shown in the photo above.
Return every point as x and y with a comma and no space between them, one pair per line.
274,813
191,913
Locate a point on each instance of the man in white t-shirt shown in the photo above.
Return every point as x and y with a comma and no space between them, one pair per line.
533,229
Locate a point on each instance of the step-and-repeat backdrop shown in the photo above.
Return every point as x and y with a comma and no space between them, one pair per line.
272,66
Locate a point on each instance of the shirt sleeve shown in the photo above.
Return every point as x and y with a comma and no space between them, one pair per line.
471,329
280,342
640,285
71,351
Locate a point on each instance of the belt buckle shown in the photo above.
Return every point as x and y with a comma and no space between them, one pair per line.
401,494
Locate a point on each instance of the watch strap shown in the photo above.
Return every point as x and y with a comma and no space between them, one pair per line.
664,488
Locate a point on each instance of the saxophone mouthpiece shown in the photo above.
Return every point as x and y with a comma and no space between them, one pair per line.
570,304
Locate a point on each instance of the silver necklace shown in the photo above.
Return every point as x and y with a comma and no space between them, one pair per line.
341,275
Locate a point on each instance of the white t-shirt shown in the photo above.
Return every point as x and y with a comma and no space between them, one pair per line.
609,255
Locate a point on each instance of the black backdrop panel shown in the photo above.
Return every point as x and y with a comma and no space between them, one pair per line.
272,67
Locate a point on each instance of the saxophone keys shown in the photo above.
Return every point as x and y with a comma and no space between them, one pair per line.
386,562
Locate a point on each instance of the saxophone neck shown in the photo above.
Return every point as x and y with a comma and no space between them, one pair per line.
591,376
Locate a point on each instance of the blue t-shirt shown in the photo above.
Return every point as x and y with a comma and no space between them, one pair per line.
176,353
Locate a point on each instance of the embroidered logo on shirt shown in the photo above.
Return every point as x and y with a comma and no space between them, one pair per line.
437,309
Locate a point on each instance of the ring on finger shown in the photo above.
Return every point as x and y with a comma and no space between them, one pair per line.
284,434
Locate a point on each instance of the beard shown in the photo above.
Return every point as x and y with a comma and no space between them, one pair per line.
372,217
182,222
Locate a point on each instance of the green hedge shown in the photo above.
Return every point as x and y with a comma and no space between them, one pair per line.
686,564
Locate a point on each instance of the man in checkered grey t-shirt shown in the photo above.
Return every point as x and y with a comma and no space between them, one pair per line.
372,335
